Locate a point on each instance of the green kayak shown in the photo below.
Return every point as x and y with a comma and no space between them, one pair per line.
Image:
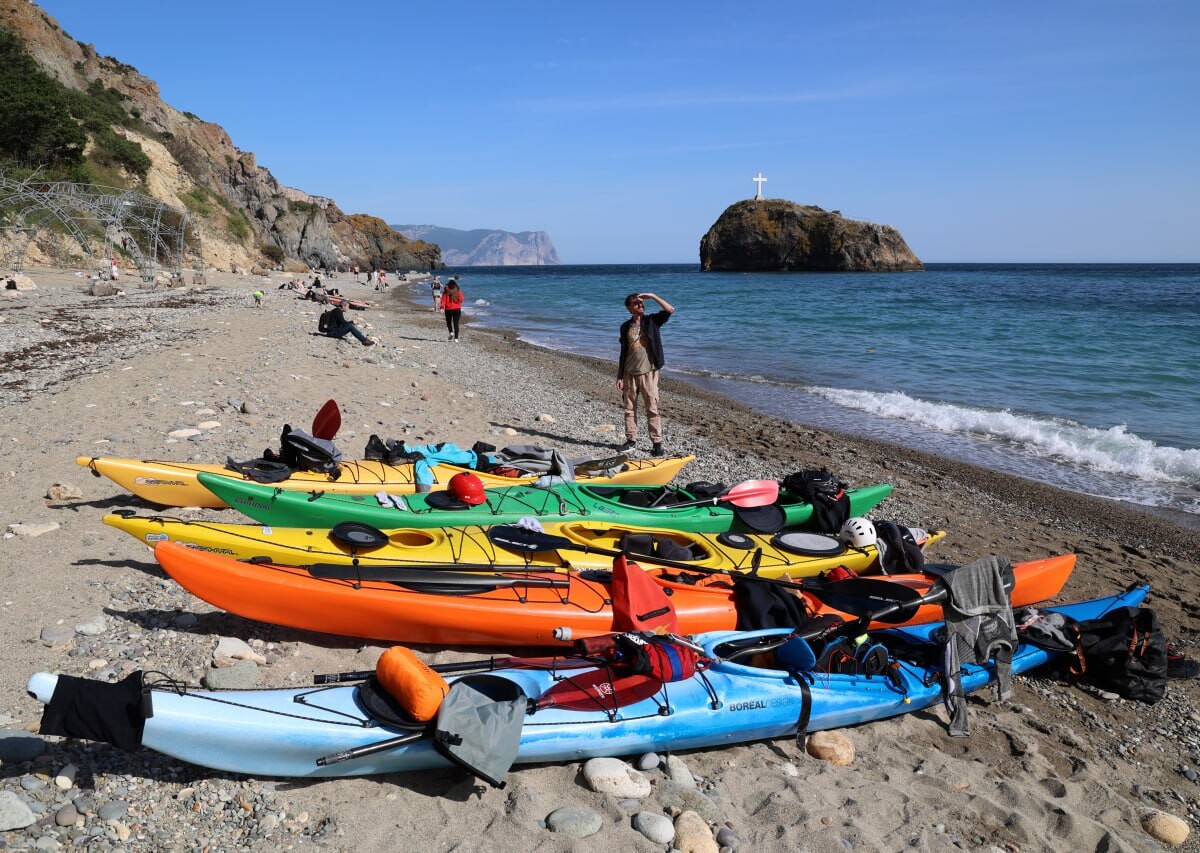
668,507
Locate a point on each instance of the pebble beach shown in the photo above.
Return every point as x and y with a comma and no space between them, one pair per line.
203,373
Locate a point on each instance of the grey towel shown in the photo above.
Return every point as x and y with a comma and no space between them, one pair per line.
979,627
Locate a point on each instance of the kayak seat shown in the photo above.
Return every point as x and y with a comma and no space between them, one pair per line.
443,500
648,545
807,544
796,655
760,519
383,708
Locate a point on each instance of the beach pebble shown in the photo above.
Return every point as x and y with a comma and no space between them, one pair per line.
114,810
727,838
656,827
14,813
65,778
56,635
243,675
32,531
575,821
833,747
64,492
229,650
672,795
68,815
19,746
248,408
692,834
1166,827
187,432
649,761
545,418
790,769
613,776
678,772
208,424
93,626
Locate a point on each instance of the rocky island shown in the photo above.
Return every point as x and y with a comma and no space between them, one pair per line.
774,235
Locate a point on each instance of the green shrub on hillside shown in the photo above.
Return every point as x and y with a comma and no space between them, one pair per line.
43,122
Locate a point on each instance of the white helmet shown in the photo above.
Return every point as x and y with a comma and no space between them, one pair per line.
859,532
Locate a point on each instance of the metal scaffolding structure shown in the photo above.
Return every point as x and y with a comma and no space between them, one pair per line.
151,234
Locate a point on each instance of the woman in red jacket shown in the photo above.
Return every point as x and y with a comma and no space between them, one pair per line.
452,302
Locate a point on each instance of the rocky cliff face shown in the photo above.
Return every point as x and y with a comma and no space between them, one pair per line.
239,206
778,235
484,247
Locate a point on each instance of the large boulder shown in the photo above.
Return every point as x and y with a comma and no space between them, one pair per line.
760,235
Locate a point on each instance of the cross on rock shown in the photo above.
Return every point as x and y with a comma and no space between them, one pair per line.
760,180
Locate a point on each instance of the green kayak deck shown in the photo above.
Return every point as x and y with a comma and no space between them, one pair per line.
669,507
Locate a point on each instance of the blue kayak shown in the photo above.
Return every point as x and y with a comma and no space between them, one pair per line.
284,732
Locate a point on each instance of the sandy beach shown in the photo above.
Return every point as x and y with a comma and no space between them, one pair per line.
1057,768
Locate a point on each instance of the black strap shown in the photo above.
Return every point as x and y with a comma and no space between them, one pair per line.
805,703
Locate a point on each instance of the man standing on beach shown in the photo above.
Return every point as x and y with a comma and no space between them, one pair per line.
641,360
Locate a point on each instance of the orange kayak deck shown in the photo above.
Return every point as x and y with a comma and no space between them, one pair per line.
495,609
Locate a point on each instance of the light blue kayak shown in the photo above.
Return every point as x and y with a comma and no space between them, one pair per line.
284,732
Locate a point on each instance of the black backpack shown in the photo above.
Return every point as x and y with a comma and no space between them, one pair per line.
826,493
1124,652
304,452
900,553
325,323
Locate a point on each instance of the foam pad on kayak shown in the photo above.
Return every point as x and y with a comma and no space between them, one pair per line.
807,544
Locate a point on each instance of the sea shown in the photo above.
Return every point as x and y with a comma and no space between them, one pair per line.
1085,377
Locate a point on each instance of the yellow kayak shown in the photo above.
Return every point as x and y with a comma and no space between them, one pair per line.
175,483
792,553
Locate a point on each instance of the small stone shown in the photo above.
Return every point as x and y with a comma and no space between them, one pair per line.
60,492
14,813
833,747
32,531
114,810
546,419
679,773
575,821
692,834
186,620
249,408
93,626
726,837
208,424
649,761
66,777
68,815
231,649
1166,828
656,827
613,776
183,433
790,769
243,675
679,798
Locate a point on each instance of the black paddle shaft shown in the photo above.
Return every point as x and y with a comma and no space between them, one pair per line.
523,540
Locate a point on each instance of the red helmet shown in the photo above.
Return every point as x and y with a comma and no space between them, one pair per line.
466,488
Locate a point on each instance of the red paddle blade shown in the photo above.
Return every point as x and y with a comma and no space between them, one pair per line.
599,690
752,493
328,421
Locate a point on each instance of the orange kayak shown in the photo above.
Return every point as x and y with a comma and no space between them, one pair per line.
441,607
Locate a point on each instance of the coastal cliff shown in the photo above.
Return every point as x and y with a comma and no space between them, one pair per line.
778,235
482,247
130,139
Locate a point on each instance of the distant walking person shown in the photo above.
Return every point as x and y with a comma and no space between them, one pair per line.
641,360
436,287
452,302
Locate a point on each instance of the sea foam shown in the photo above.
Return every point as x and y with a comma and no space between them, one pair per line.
1114,450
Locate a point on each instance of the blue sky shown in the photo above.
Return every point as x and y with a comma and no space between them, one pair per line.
1015,131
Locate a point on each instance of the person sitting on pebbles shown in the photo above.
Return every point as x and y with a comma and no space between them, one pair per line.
338,326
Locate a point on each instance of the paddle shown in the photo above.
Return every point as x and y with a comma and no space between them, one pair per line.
748,494
523,540
597,689
327,421
439,581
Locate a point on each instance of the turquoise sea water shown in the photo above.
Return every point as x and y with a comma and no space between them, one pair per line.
1082,376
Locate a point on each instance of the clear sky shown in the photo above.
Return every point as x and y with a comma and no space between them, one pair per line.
1022,130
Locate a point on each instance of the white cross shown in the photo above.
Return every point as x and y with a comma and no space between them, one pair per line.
760,180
